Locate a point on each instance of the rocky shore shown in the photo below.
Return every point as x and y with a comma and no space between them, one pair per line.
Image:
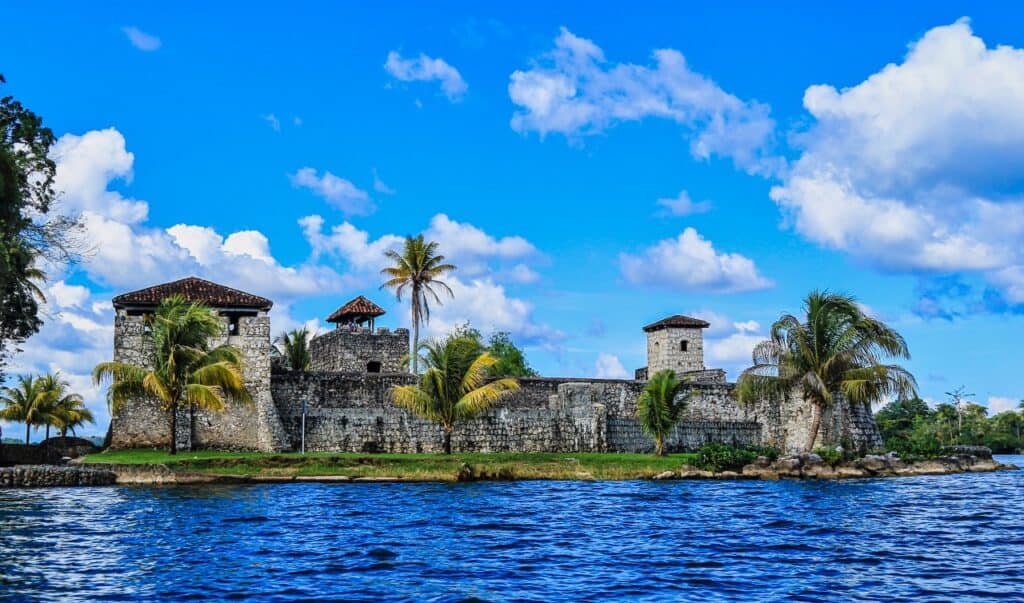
959,459
37,476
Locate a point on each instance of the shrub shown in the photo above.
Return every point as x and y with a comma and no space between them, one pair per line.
722,457
831,456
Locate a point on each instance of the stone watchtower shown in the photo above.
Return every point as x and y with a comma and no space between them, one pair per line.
354,346
676,343
245,324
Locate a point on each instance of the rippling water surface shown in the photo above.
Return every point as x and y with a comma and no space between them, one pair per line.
928,538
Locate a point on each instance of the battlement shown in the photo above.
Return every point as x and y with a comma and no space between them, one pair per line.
355,349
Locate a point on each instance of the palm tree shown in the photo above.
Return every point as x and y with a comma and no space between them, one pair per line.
185,372
418,268
24,403
836,350
659,407
455,385
65,410
295,347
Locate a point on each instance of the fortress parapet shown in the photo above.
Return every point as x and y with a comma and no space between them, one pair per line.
355,348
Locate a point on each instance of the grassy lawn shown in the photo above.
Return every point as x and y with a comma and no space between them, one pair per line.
407,466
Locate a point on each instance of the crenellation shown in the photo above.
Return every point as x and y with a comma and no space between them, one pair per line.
348,406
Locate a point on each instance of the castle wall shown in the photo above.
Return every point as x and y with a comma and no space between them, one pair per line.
141,423
353,413
665,352
350,351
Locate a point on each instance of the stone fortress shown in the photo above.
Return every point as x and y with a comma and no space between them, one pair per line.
347,408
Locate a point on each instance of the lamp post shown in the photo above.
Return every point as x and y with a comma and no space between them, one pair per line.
303,426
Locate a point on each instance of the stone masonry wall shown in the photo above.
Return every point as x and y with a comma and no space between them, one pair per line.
350,351
141,423
353,413
665,352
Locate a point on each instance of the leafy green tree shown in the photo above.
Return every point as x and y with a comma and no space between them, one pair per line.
418,270
896,420
65,410
185,373
294,345
455,385
29,228
660,406
835,350
25,403
511,359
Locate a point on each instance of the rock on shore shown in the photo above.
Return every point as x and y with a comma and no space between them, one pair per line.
959,459
33,476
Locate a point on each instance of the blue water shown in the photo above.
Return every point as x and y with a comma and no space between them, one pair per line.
927,538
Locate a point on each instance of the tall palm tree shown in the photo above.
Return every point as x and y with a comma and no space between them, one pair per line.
455,385
65,410
417,269
295,347
836,350
185,373
24,403
659,407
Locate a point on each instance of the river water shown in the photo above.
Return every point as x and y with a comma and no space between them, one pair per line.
908,539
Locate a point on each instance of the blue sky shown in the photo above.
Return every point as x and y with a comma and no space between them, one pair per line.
590,171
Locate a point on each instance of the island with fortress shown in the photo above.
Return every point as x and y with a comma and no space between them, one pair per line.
342,403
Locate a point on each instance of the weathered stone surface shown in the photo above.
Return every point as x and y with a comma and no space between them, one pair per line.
359,350
348,409
50,452
142,424
873,463
665,475
34,476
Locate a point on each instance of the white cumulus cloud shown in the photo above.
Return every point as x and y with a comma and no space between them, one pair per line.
575,91
690,262
683,205
998,404
427,69
337,191
140,39
608,366
920,167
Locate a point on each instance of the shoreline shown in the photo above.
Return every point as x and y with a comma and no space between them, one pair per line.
90,472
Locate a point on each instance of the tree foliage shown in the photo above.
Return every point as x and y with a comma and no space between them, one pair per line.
25,403
511,361
834,350
417,270
455,386
912,428
185,373
294,346
660,406
44,401
30,230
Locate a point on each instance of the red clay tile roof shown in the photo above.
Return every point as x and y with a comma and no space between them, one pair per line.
686,322
196,290
356,308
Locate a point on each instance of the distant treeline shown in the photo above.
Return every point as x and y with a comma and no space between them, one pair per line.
911,427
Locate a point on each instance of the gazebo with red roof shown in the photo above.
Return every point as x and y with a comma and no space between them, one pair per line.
358,312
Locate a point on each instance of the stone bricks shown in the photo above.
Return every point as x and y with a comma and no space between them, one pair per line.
359,350
141,423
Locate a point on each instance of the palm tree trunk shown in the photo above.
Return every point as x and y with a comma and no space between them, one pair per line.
47,432
817,410
174,430
415,345
447,440
659,447
28,427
